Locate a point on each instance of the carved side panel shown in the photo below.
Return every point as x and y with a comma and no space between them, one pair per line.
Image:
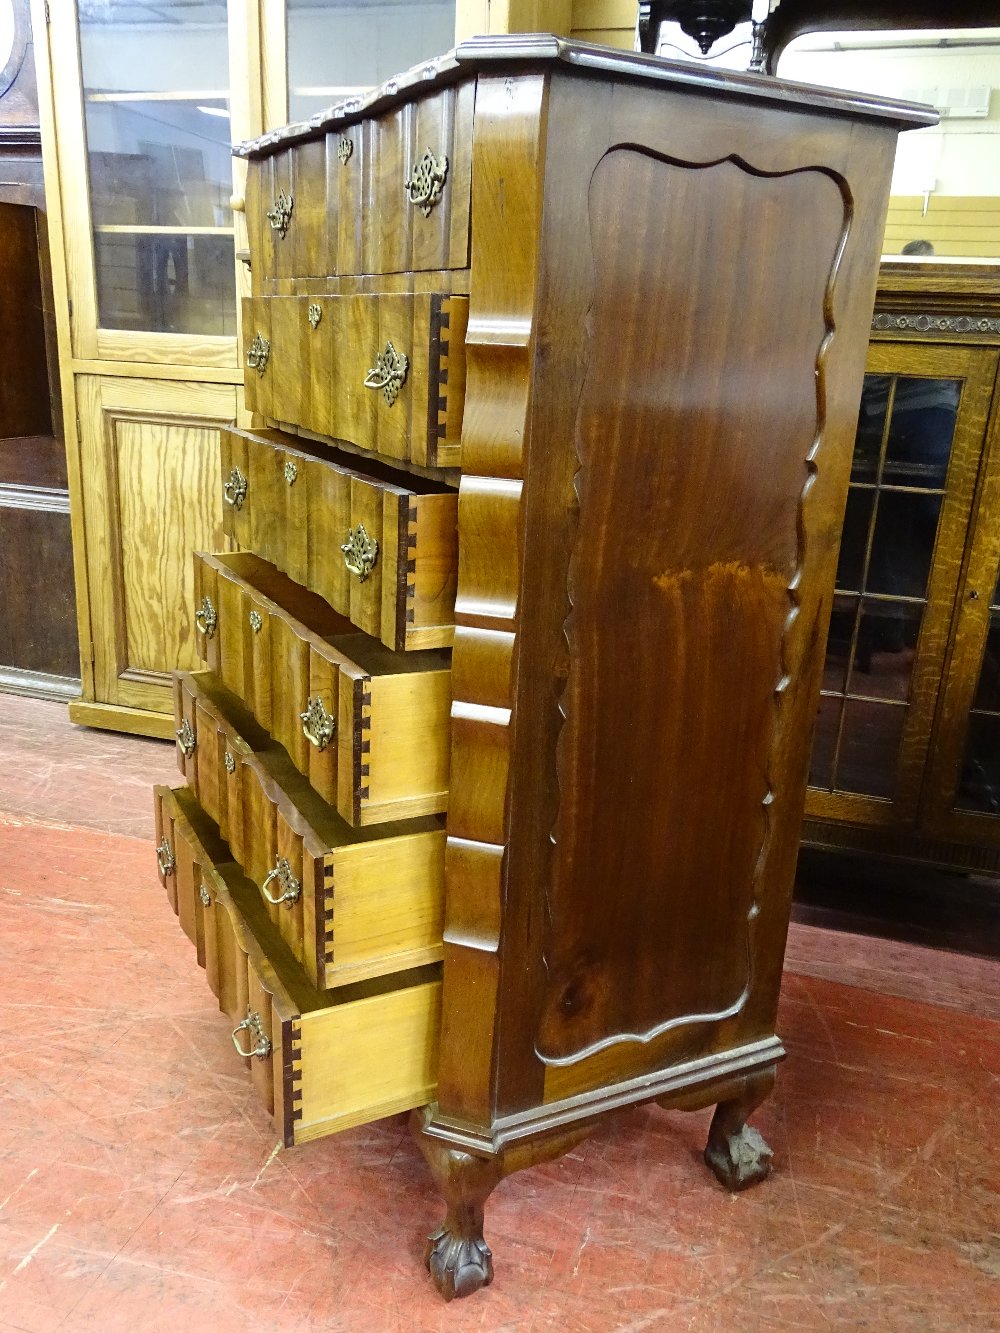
699,415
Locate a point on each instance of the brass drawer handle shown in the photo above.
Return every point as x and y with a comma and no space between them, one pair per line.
258,353
229,762
426,182
345,150
290,471
204,897
318,726
314,314
280,213
206,617
290,886
262,1044
256,622
235,490
360,552
186,739
388,373
165,858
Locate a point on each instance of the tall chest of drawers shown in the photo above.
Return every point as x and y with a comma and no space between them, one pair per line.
495,772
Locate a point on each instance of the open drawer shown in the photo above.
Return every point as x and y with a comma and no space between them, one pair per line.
349,903
320,1062
380,545
369,728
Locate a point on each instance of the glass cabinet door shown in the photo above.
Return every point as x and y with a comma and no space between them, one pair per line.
157,129
962,798
916,455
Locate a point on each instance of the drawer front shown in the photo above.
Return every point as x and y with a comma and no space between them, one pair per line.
320,1062
381,547
385,195
348,904
385,372
372,738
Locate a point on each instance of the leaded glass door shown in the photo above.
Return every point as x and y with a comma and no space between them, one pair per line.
917,452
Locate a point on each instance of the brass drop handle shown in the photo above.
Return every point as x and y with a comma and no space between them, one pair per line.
206,617
258,353
165,858
291,888
234,492
280,213
318,726
426,182
388,373
360,552
262,1042
186,739
204,897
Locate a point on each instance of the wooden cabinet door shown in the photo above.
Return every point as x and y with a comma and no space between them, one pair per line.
917,455
149,453
961,798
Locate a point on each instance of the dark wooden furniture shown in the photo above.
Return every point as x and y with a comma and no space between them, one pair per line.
906,758
39,652
624,306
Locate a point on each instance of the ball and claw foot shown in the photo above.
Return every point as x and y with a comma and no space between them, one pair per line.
459,1265
739,1159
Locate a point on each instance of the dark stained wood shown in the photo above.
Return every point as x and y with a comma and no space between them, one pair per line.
24,385
37,603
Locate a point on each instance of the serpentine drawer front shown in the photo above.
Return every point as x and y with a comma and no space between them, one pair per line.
388,195
349,903
320,1061
368,728
381,546
386,372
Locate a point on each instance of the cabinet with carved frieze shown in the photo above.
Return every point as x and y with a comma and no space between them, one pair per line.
514,666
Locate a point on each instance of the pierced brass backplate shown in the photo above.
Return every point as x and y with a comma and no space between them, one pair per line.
314,314
205,897
426,182
388,373
229,762
360,552
280,213
255,621
261,1047
165,858
186,739
206,617
317,724
258,353
290,471
291,888
344,150
235,490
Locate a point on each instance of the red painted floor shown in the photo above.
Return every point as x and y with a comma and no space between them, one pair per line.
142,1189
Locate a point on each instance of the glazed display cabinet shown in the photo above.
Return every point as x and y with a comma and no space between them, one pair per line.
906,751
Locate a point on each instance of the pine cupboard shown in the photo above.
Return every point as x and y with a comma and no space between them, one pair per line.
618,572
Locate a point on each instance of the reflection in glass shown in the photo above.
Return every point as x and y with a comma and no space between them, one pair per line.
979,782
156,110
923,425
883,656
854,539
843,623
875,396
340,48
824,743
869,747
988,688
903,544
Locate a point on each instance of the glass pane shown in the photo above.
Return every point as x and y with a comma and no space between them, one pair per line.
905,529
871,423
156,106
824,742
923,424
869,748
988,689
338,48
979,783
854,539
171,283
883,658
838,643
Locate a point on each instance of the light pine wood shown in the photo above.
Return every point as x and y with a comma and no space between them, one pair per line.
148,456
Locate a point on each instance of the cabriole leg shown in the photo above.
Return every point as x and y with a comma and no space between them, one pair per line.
736,1152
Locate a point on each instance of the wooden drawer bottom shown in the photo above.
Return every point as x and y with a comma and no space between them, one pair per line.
321,1061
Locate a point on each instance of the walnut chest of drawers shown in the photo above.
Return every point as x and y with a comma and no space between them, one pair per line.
496,768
